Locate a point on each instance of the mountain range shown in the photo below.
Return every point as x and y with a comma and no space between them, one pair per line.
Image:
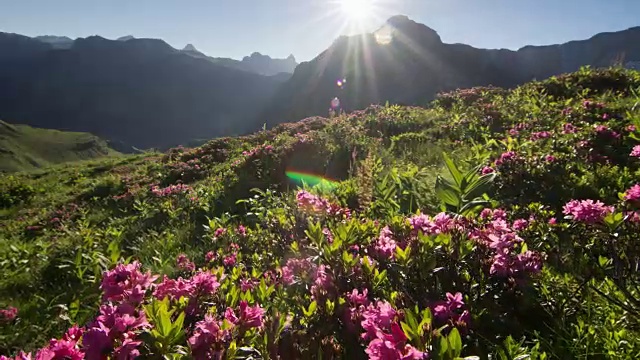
255,63
140,92
407,63
145,93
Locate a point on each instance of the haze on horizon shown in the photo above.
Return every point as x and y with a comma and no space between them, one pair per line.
304,28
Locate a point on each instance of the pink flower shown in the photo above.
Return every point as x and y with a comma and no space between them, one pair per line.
242,231
487,170
184,263
126,283
287,275
230,316
247,284
357,298
208,340
569,128
550,158
386,245
60,350
219,232
540,135
520,224
633,194
552,221
230,260
209,256
587,211
631,128
441,223
635,152
8,314
173,289
204,283
322,282
251,317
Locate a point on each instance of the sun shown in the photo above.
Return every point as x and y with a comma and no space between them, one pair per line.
357,11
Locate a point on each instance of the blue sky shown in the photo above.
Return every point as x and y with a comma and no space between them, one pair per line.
234,28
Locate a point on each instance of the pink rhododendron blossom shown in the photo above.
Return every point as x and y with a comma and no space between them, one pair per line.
314,204
170,190
247,284
59,350
631,128
8,314
442,223
230,260
184,263
219,232
635,152
569,128
208,340
328,235
386,245
487,170
550,158
540,135
633,194
126,283
520,224
250,316
210,256
358,298
587,211
242,231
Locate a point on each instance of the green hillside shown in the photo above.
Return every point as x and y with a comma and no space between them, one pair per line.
498,224
23,147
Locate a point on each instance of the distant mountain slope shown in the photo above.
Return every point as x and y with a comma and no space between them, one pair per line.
23,147
406,62
141,92
256,63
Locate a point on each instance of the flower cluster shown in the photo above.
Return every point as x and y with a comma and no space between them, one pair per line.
314,204
8,314
261,149
386,338
587,211
296,268
170,190
451,312
184,263
126,283
506,157
502,239
633,194
386,245
439,224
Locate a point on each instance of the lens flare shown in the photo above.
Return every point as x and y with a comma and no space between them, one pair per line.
301,178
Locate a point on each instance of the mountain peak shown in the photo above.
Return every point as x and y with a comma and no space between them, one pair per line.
190,47
125,38
411,29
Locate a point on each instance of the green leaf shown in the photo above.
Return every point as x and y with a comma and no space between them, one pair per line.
455,342
479,186
453,169
408,331
311,310
447,193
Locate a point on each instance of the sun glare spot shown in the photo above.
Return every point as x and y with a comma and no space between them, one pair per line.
356,11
